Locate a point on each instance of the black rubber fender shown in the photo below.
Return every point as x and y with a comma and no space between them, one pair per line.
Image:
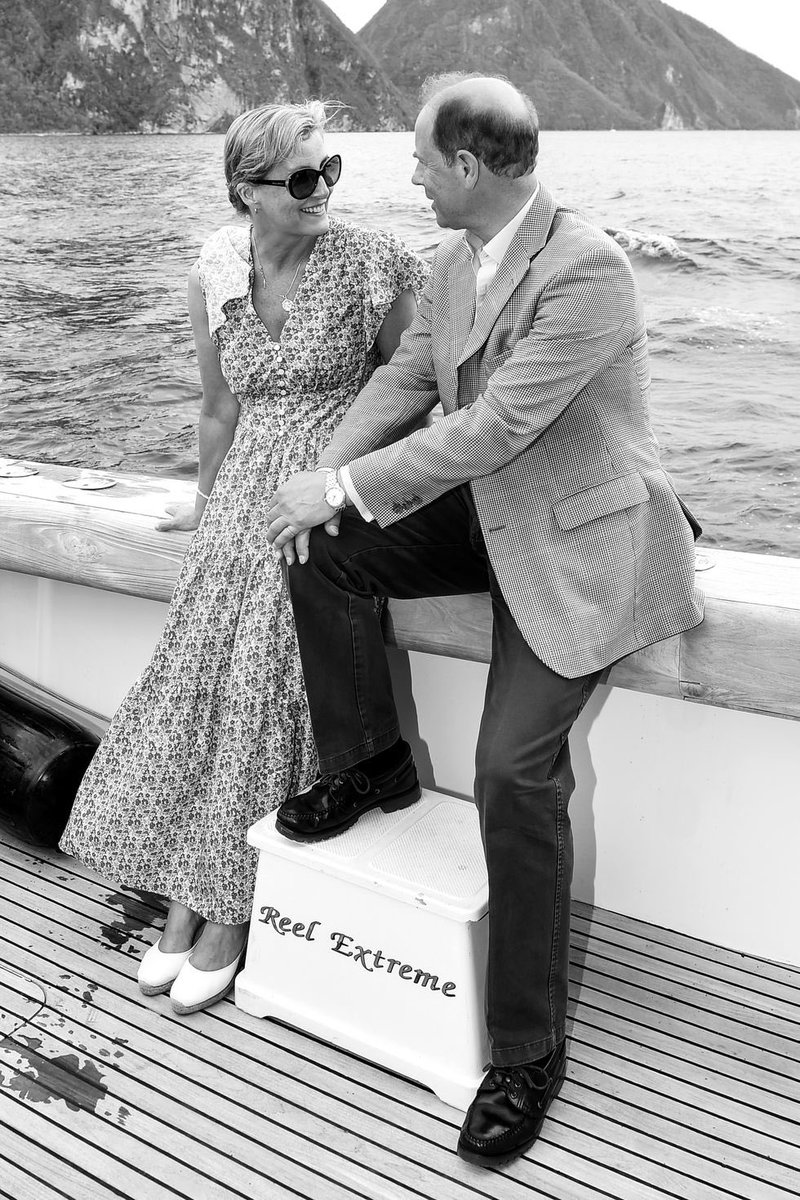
43,757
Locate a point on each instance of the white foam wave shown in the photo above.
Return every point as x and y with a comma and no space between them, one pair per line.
650,245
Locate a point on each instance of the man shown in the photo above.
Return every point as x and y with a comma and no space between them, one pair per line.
541,483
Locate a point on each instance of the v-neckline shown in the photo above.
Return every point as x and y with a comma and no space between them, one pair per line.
279,340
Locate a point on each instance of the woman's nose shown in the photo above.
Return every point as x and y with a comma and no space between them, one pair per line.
321,191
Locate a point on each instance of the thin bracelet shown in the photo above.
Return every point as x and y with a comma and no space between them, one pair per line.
205,497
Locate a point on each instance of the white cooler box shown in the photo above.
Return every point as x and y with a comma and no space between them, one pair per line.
376,941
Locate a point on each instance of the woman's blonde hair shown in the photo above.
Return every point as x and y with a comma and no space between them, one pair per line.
262,137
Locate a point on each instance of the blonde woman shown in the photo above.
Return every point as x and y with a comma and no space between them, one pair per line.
291,312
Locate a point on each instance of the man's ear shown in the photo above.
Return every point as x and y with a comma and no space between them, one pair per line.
470,168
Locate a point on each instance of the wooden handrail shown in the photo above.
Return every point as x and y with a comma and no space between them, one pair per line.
745,655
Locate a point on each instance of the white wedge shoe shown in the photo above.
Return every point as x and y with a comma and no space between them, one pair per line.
194,990
158,971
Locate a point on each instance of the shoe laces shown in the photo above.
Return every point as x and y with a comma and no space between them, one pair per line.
515,1081
335,783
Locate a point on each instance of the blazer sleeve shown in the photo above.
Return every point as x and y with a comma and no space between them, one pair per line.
583,317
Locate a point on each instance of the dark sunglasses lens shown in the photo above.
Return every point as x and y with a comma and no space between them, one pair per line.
332,170
303,183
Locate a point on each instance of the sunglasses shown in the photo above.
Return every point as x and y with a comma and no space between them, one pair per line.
303,183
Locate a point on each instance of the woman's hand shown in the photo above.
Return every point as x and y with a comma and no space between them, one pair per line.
182,518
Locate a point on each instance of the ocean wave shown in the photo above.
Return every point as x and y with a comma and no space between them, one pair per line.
721,326
647,244
775,257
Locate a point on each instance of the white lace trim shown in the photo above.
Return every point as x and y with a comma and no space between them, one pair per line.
224,267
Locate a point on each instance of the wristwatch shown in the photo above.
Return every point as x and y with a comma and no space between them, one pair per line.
335,494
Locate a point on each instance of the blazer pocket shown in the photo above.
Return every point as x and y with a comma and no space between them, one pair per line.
601,500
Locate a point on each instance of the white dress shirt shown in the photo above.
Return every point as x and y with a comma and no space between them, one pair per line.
486,258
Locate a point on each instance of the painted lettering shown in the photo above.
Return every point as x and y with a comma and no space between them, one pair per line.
270,917
283,925
342,943
339,940
361,956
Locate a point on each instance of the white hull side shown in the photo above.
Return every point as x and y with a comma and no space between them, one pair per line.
685,815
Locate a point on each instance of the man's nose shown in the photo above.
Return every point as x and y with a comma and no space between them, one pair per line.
416,178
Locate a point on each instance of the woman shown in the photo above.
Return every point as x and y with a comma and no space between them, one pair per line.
291,314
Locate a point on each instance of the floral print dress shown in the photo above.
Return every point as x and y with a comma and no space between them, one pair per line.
215,733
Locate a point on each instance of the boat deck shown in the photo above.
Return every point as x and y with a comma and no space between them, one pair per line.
683,1078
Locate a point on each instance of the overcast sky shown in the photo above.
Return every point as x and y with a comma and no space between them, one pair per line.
768,28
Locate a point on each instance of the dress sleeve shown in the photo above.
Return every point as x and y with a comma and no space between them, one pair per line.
391,268
224,272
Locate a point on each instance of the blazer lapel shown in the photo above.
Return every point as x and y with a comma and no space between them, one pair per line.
461,298
460,307
525,245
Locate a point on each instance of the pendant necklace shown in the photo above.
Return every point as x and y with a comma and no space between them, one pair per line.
287,303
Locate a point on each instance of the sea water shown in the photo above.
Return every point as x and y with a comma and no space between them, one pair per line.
97,235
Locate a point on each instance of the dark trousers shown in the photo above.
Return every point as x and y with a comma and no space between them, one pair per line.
523,774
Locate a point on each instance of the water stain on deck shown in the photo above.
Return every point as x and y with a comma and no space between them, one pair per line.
40,1080
136,915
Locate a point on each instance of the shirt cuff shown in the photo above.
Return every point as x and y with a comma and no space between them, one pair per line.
350,488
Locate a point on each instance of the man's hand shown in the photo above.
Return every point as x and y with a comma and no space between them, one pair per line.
296,507
297,547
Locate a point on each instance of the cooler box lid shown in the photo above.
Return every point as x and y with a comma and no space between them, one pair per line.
429,855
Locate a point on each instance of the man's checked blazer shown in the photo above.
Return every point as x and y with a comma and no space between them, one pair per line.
545,403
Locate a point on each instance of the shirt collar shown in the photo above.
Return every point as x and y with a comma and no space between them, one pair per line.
497,246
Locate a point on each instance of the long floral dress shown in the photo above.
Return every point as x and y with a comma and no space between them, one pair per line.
216,732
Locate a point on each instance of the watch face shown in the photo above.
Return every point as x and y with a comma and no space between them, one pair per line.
335,495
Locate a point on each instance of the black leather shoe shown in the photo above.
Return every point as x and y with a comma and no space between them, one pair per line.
508,1112
335,802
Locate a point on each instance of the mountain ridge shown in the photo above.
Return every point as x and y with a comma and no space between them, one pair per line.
636,64
185,66
112,66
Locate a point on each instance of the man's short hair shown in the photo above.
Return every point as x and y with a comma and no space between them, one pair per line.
507,143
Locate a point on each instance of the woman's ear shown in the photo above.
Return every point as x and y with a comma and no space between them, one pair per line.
246,194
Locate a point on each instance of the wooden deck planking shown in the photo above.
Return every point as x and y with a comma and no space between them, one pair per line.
602,923
66,1005
175,1068
30,928
691,977
45,1168
696,1081
644,1113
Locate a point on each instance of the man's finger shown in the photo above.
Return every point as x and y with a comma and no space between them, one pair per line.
332,526
276,527
280,540
301,544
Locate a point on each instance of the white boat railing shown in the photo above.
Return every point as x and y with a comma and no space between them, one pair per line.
745,655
